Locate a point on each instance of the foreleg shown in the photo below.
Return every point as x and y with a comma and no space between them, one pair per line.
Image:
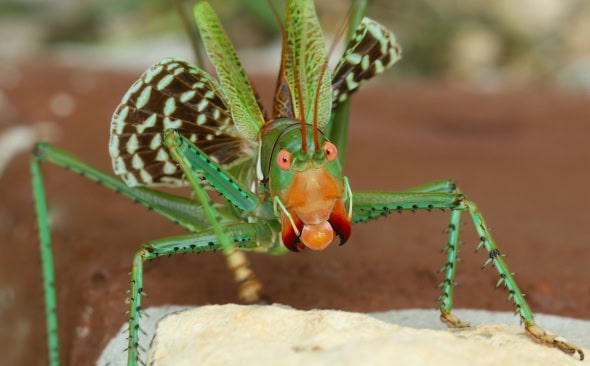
369,205
243,236
183,211
194,164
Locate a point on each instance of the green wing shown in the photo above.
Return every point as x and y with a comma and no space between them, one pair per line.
304,56
243,104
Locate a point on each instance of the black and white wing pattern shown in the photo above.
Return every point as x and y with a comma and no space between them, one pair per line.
371,51
172,94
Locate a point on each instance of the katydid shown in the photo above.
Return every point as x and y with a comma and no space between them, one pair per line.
280,177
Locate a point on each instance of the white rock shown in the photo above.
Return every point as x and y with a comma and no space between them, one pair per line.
279,335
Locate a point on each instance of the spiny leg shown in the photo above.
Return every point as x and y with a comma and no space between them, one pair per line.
369,205
450,268
506,278
194,163
242,236
439,186
46,263
180,210
183,211
452,250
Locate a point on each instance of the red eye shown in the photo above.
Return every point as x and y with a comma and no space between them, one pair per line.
284,159
330,151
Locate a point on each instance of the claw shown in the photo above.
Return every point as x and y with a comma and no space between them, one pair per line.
540,335
452,321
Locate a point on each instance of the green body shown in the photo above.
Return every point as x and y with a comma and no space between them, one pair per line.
177,124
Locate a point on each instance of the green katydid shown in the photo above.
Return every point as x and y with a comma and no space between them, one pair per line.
281,177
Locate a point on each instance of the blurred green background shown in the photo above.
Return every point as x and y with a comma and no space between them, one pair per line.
486,44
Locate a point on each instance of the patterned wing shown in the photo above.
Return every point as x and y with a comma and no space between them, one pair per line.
172,94
371,50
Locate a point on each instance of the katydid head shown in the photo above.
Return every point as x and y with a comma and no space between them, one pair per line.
310,187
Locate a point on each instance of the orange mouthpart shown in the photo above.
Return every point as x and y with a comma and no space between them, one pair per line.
315,204
317,237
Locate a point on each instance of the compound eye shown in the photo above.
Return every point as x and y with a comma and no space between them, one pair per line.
330,151
284,159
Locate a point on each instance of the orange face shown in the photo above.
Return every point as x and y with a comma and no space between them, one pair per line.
314,198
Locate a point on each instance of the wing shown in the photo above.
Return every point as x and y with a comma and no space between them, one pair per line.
303,57
242,100
172,94
372,49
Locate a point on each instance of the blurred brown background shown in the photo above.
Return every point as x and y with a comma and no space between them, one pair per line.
494,94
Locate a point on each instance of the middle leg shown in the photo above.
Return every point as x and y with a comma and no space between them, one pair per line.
244,236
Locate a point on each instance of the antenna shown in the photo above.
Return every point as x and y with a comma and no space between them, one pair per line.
301,108
291,56
339,35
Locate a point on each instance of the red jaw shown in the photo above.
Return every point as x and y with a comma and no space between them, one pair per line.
314,202
316,236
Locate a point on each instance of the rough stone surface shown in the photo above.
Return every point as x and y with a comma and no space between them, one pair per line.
270,335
